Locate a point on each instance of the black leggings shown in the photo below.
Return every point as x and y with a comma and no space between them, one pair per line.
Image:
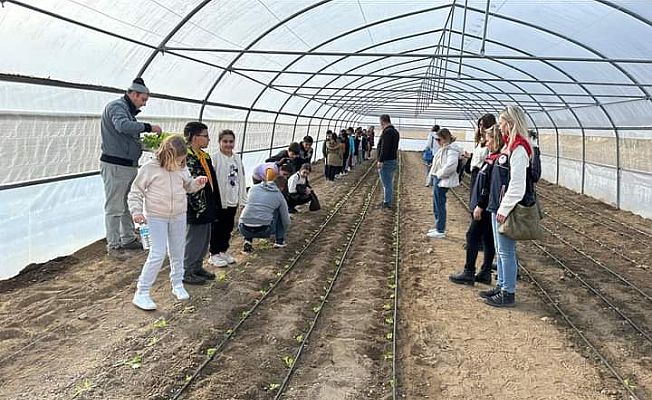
332,171
480,230
221,230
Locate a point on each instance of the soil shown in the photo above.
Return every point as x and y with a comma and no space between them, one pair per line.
68,329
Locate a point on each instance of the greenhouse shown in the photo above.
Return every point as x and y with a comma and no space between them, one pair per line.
385,145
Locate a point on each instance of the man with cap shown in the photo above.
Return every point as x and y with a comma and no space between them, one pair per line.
121,149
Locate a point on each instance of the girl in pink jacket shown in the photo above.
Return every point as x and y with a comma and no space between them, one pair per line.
161,185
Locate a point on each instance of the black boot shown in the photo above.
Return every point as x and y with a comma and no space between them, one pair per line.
463,278
193,279
205,274
484,276
502,299
485,294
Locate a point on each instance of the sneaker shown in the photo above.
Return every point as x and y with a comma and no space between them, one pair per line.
227,258
485,294
217,260
205,274
180,293
502,299
279,245
248,247
432,230
466,277
117,254
436,234
193,279
133,245
143,301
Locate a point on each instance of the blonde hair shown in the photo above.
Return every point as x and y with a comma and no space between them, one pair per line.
497,136
171,148
515,118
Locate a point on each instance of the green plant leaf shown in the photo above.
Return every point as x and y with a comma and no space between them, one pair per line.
389,320
387,307
389,335
299,338
160,323
153,341
289,361
211,351
135,362
273,386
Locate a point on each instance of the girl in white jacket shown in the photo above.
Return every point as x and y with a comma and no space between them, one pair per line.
162,184
444,175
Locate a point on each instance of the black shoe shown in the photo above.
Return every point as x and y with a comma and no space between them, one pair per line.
248,247
293,210
494,267
485,294
502,299
464,278
205,274
193,279
133,245
483,277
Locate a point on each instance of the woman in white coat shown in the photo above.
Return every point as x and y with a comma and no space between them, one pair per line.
444,176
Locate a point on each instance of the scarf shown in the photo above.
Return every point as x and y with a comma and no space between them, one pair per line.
202,160
519,140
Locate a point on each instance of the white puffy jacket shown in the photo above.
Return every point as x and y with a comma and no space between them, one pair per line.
444,165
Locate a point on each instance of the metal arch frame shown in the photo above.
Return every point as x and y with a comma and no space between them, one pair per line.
290,64
600,106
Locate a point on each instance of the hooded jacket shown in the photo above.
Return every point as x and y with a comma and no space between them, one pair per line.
203,204
162,191
444,165
263,201
334,153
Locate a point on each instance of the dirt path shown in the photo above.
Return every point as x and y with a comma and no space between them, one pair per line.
452,346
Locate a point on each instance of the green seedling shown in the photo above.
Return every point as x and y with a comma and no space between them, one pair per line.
289,361
245,314
391,296
188,378
316,309
85,386
135,362
387,307
299,338
220,277
160,323
211,351
629,384
152,341
389,320
389,335
229,331
279,273
391,285
263,291
272,386
388,356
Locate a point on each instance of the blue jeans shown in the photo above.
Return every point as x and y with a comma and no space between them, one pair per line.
387,178
264,232
507,263
439,205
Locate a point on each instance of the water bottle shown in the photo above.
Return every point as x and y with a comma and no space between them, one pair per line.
144,236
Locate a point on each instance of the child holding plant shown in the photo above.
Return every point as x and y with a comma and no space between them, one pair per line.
162,184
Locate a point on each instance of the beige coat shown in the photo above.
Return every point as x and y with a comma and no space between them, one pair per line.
334,153
163,192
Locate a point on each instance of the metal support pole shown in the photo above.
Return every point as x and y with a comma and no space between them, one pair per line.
484,33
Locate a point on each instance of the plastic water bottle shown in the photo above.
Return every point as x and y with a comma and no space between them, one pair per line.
144,236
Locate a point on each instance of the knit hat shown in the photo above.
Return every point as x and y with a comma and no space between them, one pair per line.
138,85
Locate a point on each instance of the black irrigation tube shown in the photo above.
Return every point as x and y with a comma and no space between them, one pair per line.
603,245
647,234
593,260
570,323
592,219
324,298
294,261
397,260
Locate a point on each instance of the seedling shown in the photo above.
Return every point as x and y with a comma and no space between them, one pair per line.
289,361
245,314
299,338
153,341
229,331
211,351
316,309
188,378
135,362
272,386
629,384
221,277
389,335
389,320
391,285
388,356
387,307
160,323
85,386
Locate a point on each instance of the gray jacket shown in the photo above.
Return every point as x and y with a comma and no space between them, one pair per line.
262,202
121,133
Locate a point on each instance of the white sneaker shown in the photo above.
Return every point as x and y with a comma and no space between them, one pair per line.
436,234
180,293
143,301
432,230
279,245
217,260
228,258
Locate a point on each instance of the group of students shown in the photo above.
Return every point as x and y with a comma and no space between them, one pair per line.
342,153
190,199
504,166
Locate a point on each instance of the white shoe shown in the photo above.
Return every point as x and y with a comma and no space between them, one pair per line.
180,293
279,245
436,234
143,301
432,230
227,257
217,260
